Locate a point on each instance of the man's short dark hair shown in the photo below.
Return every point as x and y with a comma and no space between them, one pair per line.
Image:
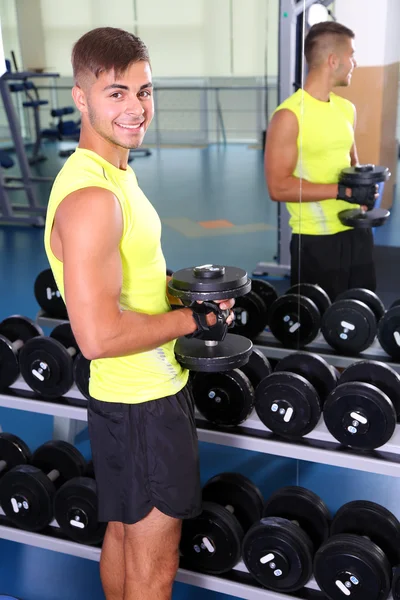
320,34
106,49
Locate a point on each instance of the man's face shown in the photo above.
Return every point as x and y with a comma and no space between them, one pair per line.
121,109
346,63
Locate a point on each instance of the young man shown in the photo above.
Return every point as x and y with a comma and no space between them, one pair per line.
102,239
310,140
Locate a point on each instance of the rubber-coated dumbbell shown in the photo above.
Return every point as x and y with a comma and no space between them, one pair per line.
13,452
389,331
357,560
82,375
278,551
251,310
396,583
212,542
217,350
227,399
289,401
47,363
363,410
27,492
48,295
295,318
350,325
15,332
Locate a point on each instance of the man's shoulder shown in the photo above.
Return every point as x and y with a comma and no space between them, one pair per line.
342,102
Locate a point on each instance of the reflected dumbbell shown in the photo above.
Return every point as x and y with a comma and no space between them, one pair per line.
15,332
48,295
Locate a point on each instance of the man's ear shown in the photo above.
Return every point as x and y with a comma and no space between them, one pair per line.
79,98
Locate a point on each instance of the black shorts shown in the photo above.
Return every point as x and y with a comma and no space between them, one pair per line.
145,456
337,262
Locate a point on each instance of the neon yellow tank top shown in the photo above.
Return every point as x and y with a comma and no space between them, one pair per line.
326,131
144,376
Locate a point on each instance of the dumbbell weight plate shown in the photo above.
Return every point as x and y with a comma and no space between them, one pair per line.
250,316
389,332
13,450
239,494
369,298
367,174
48,296
12,329
191,284
257,368
303,507
265,291
314,292
360,415
349,326
378,374
396,584
395,303
75,510
211,542
352,566
278,554
355,217
82,378
232,353
294,320
226,399
288,404
19,328
60,455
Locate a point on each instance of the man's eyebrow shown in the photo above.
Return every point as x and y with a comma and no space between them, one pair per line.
119,86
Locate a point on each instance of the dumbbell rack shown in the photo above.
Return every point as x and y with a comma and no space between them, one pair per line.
318,447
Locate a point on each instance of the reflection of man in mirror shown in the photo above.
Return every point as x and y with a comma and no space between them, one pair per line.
310,140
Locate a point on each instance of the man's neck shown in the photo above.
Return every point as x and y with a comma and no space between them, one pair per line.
318,87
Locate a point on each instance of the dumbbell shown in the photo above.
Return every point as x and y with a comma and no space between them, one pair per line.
396,583
279,550
48,295
15,332
356,562
13,452
47,363
289,401
27,491
227,398
81,377
219,350
251,310
363,410
295,318
350,325
363,175
389,331
75,510
212,542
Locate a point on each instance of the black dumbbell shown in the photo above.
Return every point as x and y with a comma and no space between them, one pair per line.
218,350
227,399
81,377
212,542
389,331
289,401
251,310
350,325
13,452
48,295
396,583
356,562
295,318
27,491
363,410
363,175
15,332
47,363
278,551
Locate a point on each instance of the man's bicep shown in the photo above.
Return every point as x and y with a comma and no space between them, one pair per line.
281,152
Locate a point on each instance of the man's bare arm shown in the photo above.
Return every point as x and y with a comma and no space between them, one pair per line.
87,232
281,156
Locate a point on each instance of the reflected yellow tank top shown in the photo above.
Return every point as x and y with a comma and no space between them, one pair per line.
143,376
326,131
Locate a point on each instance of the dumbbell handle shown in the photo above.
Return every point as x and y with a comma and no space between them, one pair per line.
53,475
17,345
3,465
71,351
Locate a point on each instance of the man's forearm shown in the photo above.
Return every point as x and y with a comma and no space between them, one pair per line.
295,190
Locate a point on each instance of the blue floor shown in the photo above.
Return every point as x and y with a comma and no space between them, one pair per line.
186,186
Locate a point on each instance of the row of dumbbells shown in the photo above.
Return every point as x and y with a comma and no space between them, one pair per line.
55,482
360,406
290,537
50,365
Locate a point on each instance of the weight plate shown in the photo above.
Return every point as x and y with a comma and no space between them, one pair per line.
395,303
314,292
48,296
62,456
26,497
349,326
360,415
13,451
232,353
373,521
278,554
302,507
369,298
237,493
234,282
396,584
352,566
322,376
265,291
9,364
294,320
226,399
378,374
250,316
212,541
82,375
257,368
288,404
46,367
19,328
358,219
75,510
389,332
363,175
63,334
